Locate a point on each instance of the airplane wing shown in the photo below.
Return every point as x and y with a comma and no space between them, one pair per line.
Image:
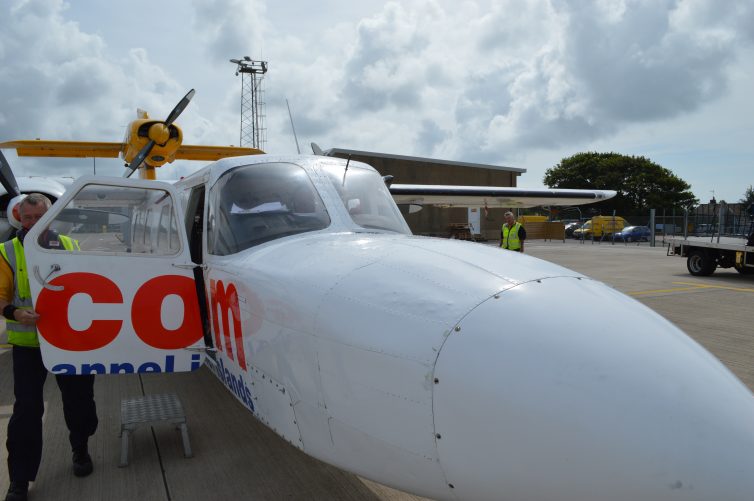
87,149
75,149
490,196
192,152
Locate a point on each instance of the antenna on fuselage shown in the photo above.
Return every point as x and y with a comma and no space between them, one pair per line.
292,126
348,161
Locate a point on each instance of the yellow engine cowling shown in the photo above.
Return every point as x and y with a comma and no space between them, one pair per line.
167,139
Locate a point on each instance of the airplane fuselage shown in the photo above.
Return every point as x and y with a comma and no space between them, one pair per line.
458,364
448,369
456,371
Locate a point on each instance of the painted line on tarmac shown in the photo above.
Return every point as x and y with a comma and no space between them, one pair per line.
739,289
666,291
691,287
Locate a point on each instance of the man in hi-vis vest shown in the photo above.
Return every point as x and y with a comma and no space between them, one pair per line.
512,235
29,373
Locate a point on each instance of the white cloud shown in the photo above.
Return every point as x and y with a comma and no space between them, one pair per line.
227,27
506,82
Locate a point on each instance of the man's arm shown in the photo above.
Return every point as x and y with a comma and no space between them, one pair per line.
6,284
27,317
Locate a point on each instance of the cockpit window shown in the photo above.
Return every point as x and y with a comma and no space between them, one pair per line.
257,203
366,198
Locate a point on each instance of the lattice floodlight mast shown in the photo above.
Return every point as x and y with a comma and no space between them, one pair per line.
253,131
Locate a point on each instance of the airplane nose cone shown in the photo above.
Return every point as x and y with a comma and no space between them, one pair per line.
564,389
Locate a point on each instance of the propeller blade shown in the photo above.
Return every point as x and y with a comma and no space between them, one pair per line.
7,178
139,158
144,153
180,107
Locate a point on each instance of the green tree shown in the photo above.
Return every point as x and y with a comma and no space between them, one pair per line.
641,184
748,198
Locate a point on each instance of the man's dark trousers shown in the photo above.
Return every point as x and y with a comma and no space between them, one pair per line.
25,425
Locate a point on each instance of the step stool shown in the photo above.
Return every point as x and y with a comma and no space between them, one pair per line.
147,411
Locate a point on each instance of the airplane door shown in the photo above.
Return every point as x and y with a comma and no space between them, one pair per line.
111,277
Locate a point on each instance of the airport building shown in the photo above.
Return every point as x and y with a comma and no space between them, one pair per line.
438,221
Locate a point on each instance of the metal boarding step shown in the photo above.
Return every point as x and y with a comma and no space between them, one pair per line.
149,410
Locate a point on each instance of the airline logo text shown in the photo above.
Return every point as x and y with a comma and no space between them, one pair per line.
145,318
224,302
236,384
226,313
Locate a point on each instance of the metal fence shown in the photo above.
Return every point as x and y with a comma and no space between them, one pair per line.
709,220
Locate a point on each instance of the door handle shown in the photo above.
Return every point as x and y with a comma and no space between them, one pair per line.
190,266
201,349
53,269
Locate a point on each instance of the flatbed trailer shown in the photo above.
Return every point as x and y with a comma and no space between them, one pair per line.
704,255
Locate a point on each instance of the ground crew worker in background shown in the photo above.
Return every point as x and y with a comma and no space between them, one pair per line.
29,374
512,235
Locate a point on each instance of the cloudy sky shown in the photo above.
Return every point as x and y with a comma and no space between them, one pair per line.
522,83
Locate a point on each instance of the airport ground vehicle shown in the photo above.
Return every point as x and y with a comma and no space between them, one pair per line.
600,227
703,255
585,231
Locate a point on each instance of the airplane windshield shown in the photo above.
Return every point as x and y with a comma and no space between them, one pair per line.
366,198
257,203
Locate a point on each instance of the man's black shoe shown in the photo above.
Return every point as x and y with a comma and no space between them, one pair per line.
82,463
18,491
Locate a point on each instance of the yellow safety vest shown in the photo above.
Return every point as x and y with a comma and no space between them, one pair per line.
510,237
13,251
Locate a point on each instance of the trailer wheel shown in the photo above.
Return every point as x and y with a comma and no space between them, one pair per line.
700,263
743,270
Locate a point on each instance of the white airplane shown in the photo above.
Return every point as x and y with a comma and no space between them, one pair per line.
443,368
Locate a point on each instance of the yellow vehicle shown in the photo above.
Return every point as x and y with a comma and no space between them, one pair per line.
532,219
600,226
584,232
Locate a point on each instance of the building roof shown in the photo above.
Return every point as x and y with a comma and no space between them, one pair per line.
342,152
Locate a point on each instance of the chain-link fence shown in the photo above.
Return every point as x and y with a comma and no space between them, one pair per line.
707,220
